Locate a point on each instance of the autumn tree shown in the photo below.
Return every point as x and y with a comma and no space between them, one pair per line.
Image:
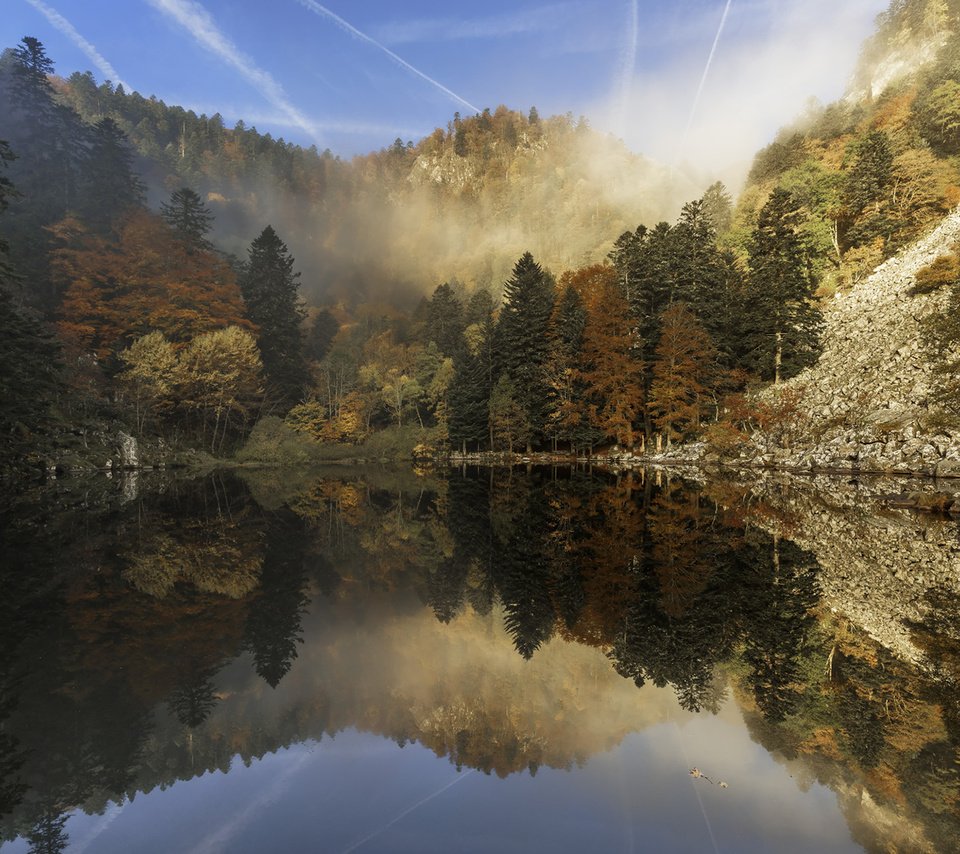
683,368
270,290
611,372
117,289
220,381
150,376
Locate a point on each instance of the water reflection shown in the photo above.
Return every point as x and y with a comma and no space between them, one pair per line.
500,618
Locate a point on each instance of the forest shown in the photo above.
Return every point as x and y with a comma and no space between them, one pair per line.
148,283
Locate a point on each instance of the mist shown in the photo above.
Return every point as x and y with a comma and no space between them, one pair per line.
772,58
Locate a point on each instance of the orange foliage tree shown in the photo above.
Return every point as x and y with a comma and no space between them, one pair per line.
138,280
684,366
611,371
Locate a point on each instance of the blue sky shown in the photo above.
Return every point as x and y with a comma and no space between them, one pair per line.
352,76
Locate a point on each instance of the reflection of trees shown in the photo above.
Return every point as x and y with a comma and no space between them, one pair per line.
662,579
47,836
521,570
273,623
193,699
862,725
779,589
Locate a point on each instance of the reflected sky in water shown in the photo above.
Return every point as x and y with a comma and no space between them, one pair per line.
360,792
509,662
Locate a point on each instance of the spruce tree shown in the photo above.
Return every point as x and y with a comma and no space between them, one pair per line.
523,337
782,334
270,290
189,218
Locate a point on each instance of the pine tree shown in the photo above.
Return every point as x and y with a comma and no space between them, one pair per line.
270,290
523,337
29,357
782,333
189,218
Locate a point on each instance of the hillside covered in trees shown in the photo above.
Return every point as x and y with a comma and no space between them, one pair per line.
149,285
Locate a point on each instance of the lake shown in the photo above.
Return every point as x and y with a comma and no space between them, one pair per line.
559,660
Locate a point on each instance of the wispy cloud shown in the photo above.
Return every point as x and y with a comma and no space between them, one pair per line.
324,12
253,117
706,73
541,19
197,21
65,27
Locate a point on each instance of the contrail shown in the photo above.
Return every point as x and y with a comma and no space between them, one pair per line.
65,27
627,65
196,20
407,812
706,71
324,12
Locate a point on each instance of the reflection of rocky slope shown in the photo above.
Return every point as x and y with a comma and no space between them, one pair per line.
877,565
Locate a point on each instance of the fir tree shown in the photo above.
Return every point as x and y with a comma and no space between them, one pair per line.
468,395
783,328
189,218
444,320
270,290
523,336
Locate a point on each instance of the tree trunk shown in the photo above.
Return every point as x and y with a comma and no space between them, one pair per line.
777,358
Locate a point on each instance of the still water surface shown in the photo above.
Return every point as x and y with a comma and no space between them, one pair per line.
382,661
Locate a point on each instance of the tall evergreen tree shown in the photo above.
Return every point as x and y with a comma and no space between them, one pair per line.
468,397
718,206
783,328
274,629
111,187
270,290
444,320
189,218
29,367
51,143
523,336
